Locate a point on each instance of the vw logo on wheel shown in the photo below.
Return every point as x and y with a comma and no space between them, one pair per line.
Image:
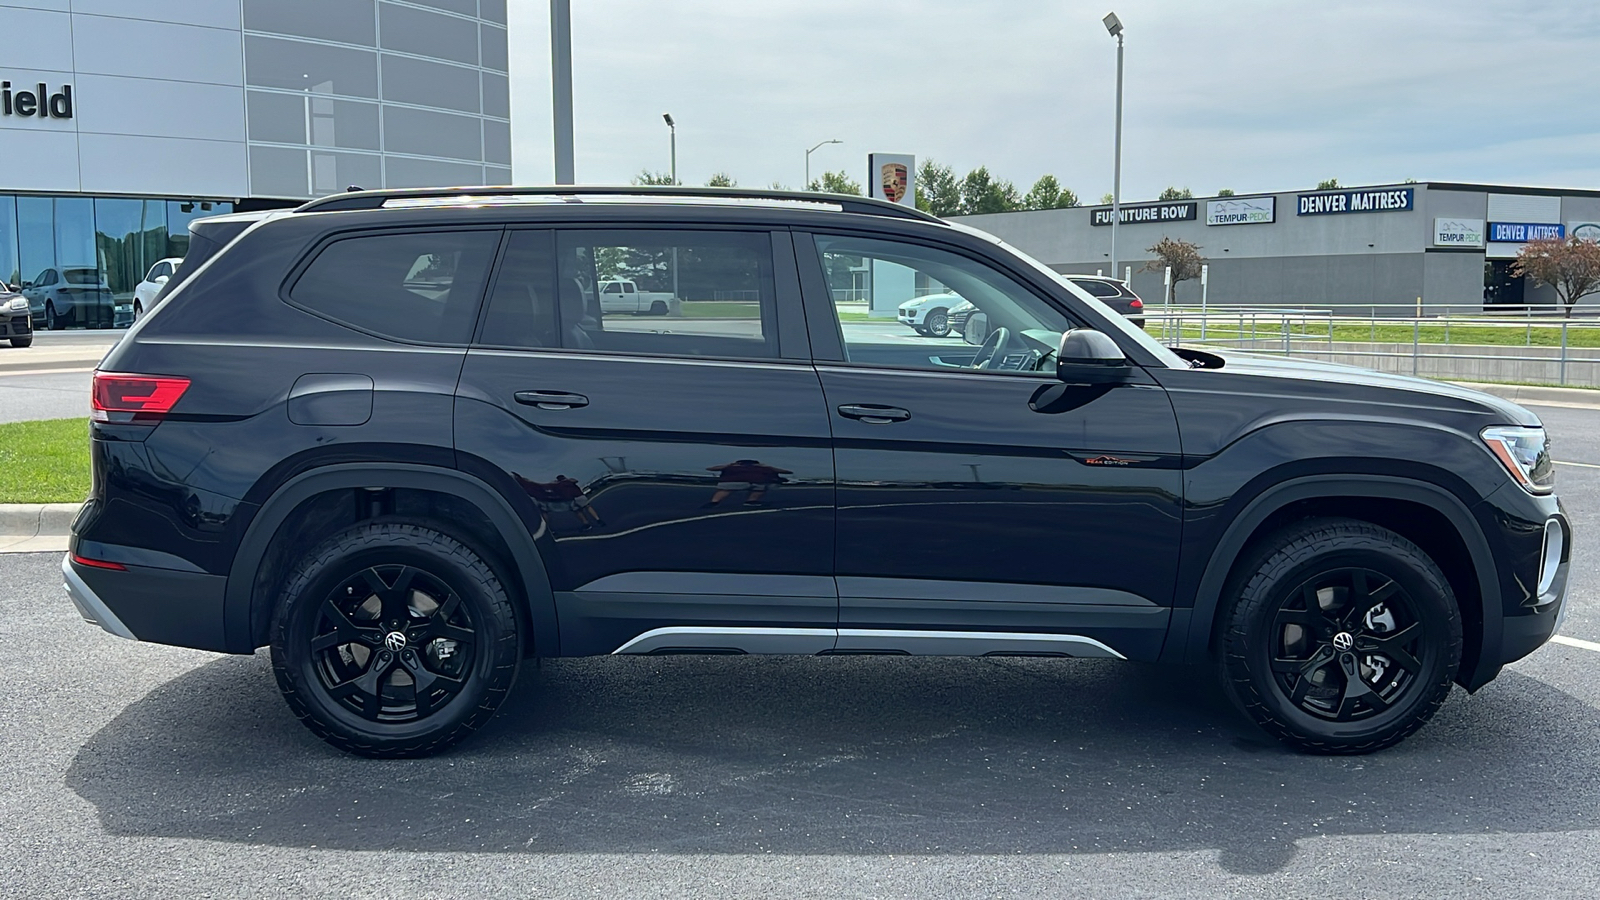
1341,642
396,641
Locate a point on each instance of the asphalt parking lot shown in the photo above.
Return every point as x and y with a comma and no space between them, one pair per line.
131,770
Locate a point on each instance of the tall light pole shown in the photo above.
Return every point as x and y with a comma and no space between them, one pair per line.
561,86
674,126
807,185
1114,25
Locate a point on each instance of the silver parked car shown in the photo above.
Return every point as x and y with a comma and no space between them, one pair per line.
16,324
75,295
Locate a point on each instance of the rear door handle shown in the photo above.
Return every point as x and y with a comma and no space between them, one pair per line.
873,414
552,399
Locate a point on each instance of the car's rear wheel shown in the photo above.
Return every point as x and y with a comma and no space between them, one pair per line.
658,308
1343,637
938,323
51,320
394,640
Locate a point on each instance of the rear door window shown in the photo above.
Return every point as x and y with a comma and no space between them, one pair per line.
413,286
1097,288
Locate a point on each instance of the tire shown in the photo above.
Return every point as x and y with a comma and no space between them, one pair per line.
658,308
138,310
1365,582
51,320
920,330
938,323
20,342
456,626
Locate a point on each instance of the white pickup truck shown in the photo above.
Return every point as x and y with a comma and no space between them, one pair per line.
621,295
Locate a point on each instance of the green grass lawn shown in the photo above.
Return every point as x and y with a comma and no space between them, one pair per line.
1366,332
740,309
44,462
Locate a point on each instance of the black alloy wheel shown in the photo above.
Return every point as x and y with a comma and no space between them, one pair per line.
938,323
394,640
1344,638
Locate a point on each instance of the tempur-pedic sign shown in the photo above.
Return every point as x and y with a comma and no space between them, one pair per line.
1146,212
1457,232
38,103
1241,210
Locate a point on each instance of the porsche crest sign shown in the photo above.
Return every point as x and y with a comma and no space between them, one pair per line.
893,177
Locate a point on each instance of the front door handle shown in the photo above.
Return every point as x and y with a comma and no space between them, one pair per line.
552,399
873,414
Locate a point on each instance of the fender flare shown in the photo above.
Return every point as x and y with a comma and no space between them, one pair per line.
239,600
1189,637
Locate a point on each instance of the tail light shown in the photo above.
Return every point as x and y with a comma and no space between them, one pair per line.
1136,303
138,399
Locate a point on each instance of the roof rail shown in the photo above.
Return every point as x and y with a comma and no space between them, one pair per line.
850,203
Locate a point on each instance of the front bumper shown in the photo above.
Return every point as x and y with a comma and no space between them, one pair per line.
18,324
912,317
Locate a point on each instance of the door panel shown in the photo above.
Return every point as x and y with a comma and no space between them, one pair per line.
992,499
661,491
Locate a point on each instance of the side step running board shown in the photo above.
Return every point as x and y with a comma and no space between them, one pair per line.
811,641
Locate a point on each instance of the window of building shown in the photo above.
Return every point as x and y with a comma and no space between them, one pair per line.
10,267
301,66
421,286
345,21
423,83
423,33
427,133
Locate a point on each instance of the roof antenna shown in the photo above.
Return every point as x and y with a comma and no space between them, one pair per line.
353,188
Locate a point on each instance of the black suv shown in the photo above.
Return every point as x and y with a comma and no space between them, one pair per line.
394,436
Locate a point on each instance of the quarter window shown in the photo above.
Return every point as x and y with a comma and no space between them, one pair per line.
1097,288
420,287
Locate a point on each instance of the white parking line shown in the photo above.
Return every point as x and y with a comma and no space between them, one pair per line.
1562,462
1575,642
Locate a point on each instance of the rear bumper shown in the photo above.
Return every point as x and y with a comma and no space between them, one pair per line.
146,603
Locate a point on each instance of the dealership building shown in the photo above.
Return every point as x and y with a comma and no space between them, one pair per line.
1448,247
121,121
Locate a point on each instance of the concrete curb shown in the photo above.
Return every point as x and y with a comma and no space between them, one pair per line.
1576,398
35,527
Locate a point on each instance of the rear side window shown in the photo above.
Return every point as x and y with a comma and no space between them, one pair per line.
1097,288
421,286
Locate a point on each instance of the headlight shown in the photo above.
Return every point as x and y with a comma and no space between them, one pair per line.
1525,452
17,304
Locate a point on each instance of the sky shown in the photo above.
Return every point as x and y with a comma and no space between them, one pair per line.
1252,95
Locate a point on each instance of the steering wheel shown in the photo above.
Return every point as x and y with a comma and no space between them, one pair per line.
989,351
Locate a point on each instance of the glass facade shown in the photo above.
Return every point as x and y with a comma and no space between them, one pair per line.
375,93
121,237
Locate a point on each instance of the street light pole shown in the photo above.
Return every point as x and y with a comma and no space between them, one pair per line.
807,185
561,87
674,126
1114,25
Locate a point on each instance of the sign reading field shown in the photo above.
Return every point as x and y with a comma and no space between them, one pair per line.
1146,212
1334,202
40,103
892,177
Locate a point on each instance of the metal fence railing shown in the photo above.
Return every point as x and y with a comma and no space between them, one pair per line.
1519,346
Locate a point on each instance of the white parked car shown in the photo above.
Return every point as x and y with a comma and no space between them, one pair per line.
930,315
621,295
144,296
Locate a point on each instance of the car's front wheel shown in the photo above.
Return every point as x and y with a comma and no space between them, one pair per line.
1343,637
394,640
138,310
20,342
938,323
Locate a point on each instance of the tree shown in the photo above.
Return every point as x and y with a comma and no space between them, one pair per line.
1106,199
1328,184
646,176
722,179
981,193
1047,193
1181,256
1225,192
1173,193
938,192
835,183
777,185
1571,266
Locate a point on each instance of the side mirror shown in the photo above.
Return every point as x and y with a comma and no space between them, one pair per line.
160,279
26,285
1087,356
976,329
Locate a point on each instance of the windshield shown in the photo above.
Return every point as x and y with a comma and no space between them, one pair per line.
1111,318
